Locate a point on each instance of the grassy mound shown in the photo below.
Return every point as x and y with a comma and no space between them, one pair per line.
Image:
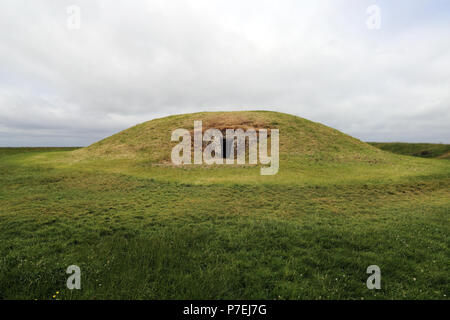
298,137
310,153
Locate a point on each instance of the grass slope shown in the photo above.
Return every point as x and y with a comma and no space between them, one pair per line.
424,150
140,229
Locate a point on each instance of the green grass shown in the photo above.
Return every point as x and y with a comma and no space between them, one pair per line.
139,238
424,150
140,229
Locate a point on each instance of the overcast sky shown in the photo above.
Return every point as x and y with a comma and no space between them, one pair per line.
132,61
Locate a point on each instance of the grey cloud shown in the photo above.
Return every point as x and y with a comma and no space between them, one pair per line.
131,62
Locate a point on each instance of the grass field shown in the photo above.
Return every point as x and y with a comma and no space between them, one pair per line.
425,150
142,229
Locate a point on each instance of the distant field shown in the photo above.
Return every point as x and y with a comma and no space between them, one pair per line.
12,151
424,150
143,229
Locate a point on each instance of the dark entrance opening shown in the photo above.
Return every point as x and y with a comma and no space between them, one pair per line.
224,148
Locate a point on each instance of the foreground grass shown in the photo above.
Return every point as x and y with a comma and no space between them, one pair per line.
137,237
